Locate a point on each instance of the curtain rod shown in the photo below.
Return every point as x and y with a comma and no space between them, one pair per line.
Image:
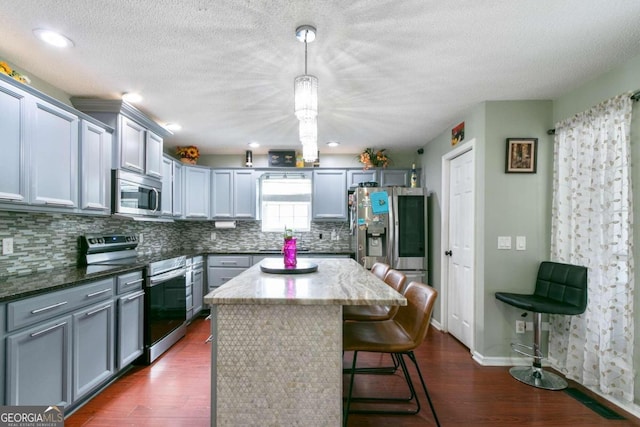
635,96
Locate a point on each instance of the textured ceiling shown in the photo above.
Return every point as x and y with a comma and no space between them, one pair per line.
392,73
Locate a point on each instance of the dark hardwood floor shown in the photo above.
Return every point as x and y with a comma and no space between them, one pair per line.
174,391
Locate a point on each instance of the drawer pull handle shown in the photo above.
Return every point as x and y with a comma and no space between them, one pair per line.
98,293
135,296
229,262
44,331
40,310
97,310
133,282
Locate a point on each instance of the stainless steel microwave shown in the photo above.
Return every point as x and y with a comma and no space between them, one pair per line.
135,194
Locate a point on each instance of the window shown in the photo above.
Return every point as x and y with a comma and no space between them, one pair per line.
285,202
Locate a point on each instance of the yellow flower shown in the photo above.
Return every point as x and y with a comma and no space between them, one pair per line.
5,69
370,158
190,152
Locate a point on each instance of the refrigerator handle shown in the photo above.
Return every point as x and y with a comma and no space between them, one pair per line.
392,240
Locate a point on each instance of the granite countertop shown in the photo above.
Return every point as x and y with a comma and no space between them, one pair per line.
339,281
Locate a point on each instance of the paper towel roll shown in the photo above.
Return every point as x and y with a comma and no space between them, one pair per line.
225,224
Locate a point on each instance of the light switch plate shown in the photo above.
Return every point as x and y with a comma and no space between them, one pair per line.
7,246
504,242
521,243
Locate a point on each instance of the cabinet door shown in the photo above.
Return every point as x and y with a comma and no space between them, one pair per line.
197,290
130,328
178,190
390,178
132,141
95,168
54,157
153,155
222,194
244,194
14,109
197,184
43,351
93,347
329,195
355,177
167,186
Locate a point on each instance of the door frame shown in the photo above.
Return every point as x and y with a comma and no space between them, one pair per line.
444,235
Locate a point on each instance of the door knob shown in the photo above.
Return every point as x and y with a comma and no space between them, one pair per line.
448,253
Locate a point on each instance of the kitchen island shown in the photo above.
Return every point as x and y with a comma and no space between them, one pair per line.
277,343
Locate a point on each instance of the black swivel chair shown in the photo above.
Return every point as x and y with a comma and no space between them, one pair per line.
560,289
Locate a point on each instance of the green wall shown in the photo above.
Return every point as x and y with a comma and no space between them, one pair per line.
510,205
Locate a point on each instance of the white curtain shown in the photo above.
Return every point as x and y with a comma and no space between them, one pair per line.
592,226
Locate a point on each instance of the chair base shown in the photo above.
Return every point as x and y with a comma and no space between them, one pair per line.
538,377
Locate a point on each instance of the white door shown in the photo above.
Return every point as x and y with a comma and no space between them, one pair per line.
460,252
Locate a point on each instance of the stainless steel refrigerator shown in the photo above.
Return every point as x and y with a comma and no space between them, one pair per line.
389,224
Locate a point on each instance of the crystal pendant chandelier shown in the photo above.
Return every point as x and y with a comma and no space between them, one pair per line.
306,100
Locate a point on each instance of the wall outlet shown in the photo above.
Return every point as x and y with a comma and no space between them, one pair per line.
504,242
214,236
521,243
141,238
520,326
7,246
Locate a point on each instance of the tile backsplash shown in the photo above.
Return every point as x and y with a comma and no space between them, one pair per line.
44,241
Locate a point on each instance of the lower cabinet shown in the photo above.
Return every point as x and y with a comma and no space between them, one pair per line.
222,268
93,347
130,338
39,364
197,290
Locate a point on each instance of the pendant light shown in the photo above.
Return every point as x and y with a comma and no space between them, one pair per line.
306,100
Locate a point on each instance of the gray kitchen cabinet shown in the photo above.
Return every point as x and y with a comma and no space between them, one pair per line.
167,186
355,177
130,318
138,139
393,177
93,347
197,284
130,335
2,352
39,352
14,106
197,182
233,194
222,268
95,168
53,160
329,195
178,189
153,155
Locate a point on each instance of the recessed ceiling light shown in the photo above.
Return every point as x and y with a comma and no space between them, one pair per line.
53,38
173,127
254,145
333,144
132,97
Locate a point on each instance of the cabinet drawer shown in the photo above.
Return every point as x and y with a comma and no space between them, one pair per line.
129,282
37,309
229,261
219,276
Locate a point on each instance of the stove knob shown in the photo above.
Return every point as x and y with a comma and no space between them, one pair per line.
101,240
92,241
127,238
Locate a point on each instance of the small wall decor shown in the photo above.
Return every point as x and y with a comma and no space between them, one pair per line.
457,134
522,155
282,158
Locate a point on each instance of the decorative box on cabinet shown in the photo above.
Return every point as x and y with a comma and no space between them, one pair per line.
139,139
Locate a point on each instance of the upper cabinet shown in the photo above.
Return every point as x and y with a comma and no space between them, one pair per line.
95,168
171,187
138,146
355,177
384,177
233,194
197,184
329,195
14,125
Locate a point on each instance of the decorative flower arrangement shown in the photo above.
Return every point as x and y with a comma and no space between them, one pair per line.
370,158
188,154
5,69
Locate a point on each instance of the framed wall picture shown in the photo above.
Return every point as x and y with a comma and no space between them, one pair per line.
522,155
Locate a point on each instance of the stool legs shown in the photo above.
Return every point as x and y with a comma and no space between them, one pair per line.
534,375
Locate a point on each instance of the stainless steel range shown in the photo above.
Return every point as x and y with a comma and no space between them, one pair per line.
165,279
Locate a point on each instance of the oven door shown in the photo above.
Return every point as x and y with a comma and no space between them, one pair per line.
166,307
